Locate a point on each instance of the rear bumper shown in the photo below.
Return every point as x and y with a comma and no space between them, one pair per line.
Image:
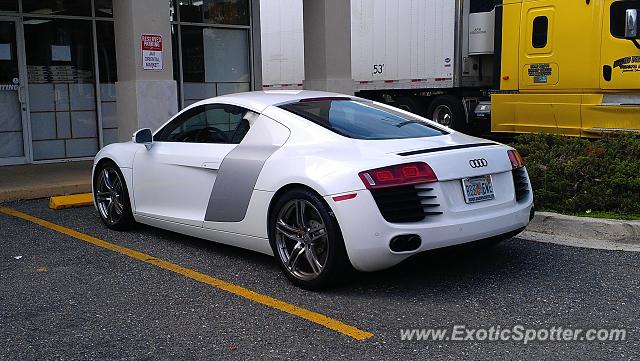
367,235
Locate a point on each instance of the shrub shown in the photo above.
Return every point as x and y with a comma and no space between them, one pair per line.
575,175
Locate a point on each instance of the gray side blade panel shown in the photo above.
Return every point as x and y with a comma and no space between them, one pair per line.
235,182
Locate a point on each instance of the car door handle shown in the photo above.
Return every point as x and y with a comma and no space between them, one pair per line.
211,165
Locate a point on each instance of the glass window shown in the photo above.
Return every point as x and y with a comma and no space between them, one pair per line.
229,12
9,5
208,124
618,15
106,52
62,94
214,62
362,120
192,54
215,55
540,32
59,50
57,7
104,8
226,55
8,58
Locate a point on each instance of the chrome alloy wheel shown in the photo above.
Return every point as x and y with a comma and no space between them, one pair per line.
110,195
301,239
442,114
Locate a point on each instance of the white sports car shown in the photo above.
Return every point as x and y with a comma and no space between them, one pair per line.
322,181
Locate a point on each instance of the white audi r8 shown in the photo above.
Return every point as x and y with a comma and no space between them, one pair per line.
322,181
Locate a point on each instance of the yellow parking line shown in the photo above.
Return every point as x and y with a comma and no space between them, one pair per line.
314,317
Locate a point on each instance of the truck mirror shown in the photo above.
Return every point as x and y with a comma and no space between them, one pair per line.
631,24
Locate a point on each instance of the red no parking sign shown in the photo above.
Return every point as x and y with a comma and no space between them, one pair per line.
151,45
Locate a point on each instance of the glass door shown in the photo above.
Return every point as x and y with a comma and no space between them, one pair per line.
13,107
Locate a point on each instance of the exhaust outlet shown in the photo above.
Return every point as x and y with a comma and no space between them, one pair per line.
405,243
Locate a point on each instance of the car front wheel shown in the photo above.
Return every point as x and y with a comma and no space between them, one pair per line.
306,240
112,198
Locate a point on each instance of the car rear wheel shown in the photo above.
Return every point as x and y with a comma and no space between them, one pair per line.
112,197
306,240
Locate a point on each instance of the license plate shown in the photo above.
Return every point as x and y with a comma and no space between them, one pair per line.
477,189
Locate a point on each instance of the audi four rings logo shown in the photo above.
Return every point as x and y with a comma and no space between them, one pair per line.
478,163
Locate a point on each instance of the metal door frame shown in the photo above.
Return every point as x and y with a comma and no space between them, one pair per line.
23,94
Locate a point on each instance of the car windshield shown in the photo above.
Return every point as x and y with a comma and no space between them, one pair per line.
362,120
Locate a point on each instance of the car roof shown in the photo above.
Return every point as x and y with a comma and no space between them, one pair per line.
260,100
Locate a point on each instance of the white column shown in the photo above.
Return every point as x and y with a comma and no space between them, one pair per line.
145,98
327,45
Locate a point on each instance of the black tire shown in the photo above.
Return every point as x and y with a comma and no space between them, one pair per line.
114,206
449,111
332,256
411,104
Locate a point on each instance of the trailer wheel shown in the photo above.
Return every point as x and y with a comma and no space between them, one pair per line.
447,110
411,105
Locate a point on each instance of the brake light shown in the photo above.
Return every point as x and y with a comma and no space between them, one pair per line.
515,158
398,175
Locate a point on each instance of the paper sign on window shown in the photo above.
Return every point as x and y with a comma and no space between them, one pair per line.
60,53
5,52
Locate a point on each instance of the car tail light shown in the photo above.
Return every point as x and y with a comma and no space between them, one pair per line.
398,175
515,158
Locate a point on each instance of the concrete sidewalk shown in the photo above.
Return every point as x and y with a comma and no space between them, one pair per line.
44,180
597,233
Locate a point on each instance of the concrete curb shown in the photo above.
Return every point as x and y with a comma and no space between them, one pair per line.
31,192
609,232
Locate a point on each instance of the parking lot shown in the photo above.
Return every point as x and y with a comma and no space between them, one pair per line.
65,297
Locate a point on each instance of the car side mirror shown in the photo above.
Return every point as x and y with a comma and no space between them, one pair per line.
143,136
631,24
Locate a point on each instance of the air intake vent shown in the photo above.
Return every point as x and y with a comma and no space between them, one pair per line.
406,204
521,183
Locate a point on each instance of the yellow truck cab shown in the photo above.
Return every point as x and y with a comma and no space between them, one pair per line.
569,67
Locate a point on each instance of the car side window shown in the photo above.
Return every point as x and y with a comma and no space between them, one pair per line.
211,123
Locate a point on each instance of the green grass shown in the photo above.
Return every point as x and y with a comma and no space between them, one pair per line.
602,215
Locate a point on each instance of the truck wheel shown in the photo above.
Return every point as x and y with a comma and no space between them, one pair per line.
411,105
447,110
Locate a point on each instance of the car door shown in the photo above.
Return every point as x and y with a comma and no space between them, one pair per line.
173,179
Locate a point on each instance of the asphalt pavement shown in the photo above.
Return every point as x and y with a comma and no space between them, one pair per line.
63,298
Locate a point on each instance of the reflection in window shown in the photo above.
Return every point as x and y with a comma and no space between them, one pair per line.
106,52
57,7
229,12
104,8
618,16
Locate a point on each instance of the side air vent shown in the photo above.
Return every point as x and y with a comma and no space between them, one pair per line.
521,183
406,204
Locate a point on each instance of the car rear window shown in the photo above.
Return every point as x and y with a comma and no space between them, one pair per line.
362,120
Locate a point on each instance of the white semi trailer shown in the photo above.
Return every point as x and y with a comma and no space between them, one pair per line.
419,55
431,57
